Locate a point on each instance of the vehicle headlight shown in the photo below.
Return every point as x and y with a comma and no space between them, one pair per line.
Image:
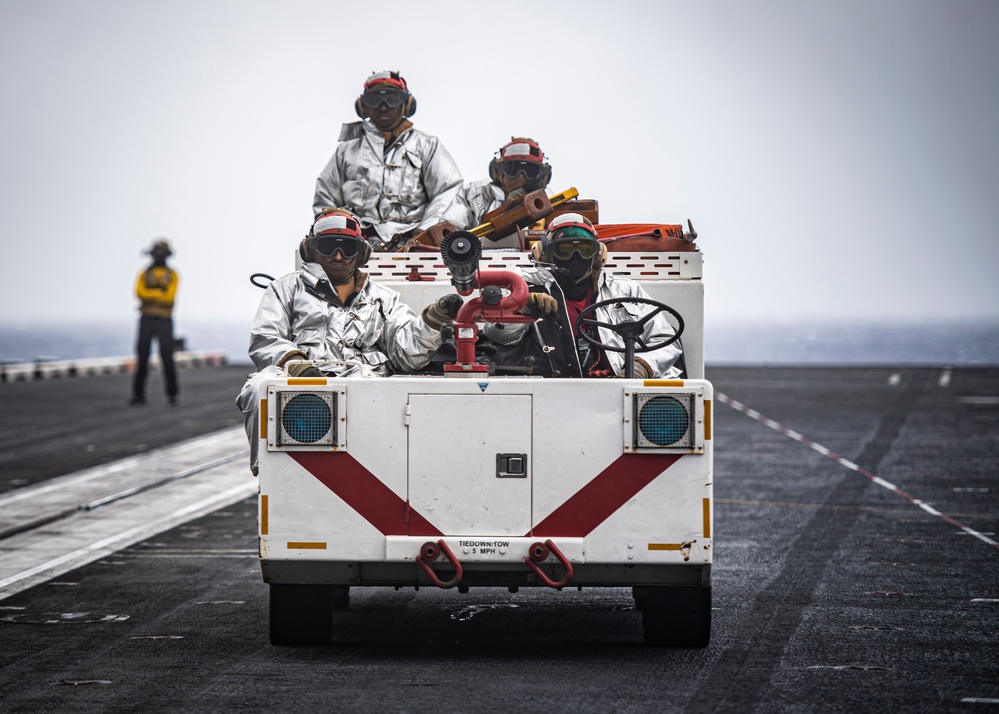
664,420
307,418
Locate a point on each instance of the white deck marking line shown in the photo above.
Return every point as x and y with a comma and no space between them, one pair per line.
885,484
978,401
724,399
61,482
111,544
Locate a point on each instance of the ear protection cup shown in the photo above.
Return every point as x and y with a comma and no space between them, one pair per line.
538,250
364,255
359,109
544,178
601,259
494,171
305,249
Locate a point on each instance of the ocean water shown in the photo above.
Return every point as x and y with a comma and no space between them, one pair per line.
933,344
26,343
952,343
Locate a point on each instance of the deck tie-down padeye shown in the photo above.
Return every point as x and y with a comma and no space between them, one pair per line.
429,552
537,553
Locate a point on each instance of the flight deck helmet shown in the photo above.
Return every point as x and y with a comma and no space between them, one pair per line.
336,229
521,156
389,87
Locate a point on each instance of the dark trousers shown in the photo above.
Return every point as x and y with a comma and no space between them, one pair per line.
162,329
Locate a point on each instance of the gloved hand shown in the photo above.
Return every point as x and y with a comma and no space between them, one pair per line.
515,194
304,370
539,304
642,370
398,240
444,310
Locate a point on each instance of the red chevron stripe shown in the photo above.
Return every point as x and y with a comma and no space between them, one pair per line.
577,517
361,490
607,492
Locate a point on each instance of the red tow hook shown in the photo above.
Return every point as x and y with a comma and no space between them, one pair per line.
538,552
429,552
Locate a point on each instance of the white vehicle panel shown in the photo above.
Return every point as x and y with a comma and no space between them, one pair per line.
457,483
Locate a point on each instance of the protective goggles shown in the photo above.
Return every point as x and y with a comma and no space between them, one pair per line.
530,169
374,98
585,247
328,245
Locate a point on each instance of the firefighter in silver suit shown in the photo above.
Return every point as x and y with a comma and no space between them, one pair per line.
396,179
568,279
329,310
518,168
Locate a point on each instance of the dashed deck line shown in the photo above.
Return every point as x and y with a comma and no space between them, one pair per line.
776,426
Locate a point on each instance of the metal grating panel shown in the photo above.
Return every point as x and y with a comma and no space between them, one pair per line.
385,267
307,418
664,421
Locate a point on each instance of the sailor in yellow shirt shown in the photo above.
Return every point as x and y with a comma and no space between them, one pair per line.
156,289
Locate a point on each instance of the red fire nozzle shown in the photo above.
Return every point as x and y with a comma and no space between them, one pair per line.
466,333
505,310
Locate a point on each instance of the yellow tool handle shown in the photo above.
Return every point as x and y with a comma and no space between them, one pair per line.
566,195
556,199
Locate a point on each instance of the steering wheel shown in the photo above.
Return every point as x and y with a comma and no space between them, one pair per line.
630,331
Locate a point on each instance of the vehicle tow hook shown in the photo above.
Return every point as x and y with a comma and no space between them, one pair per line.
429,552
538,552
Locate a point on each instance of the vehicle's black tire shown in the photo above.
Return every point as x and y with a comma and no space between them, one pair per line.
301,614
341,598
675,615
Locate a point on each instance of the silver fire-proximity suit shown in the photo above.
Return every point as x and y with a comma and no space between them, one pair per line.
472,201
406,187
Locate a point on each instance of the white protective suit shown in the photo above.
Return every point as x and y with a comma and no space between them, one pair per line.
662,361
472,201
407,187
377,329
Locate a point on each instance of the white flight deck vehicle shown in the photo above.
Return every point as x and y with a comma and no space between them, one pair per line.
474,478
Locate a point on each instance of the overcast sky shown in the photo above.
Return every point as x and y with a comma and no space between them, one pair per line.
839,160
